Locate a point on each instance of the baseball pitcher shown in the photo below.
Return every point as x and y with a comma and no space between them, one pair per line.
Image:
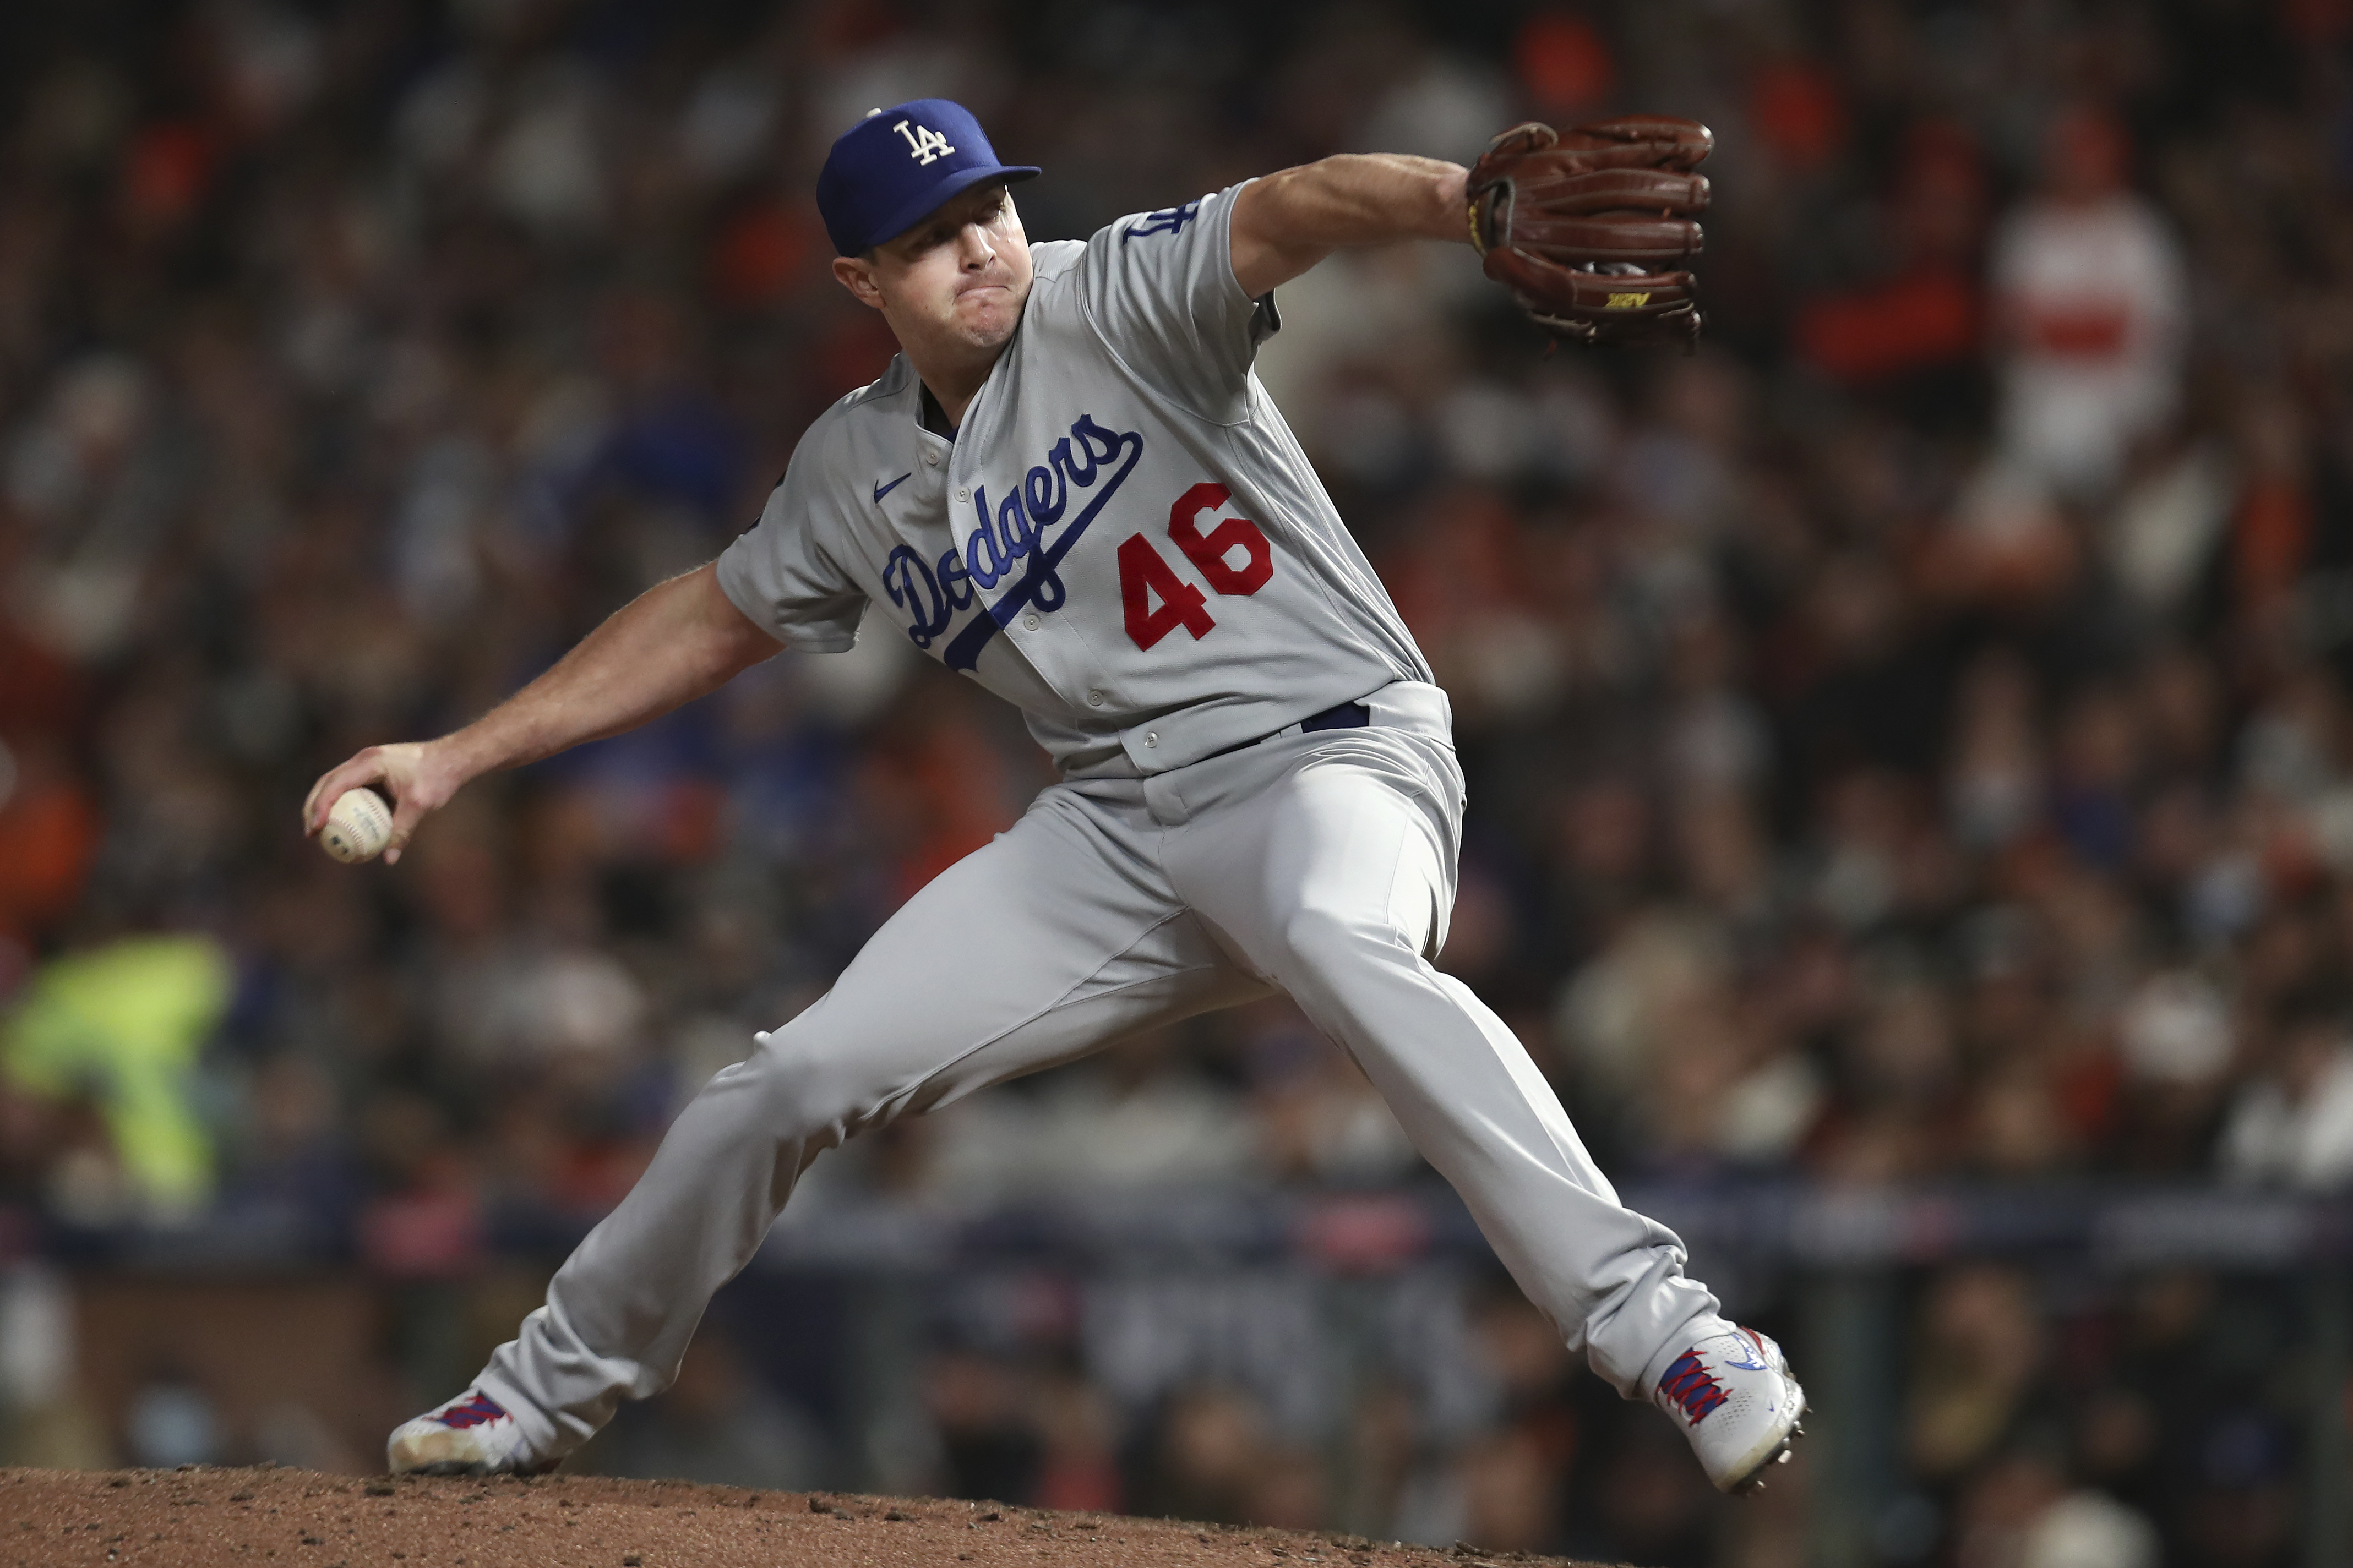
1069,487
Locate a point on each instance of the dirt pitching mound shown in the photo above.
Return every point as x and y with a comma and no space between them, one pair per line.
207,1518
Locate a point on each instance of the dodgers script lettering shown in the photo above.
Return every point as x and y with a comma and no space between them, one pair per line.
1009,541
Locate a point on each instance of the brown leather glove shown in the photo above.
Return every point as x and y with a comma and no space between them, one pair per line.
1587,227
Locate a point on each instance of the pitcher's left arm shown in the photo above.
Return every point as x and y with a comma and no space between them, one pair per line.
1288,221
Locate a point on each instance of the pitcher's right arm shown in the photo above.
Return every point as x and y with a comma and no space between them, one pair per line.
675,642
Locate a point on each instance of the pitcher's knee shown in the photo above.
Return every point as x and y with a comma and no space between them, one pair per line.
1329,962
1319,940
797,1092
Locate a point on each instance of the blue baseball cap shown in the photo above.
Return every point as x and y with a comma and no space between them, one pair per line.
897,165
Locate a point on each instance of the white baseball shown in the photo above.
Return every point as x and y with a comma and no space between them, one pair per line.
359,825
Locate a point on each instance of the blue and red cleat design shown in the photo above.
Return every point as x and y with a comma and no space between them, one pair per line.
470,1411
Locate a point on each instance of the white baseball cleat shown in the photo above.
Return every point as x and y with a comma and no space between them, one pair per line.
1733,1395
472,1434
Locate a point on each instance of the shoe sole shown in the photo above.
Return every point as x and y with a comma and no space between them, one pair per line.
1753,1480
428,1454
462,1467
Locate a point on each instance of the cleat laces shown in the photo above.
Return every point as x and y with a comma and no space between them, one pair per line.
1692,1387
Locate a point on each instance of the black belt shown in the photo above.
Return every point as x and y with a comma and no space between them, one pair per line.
1342,716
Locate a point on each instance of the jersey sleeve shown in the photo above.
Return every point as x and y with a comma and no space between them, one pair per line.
1161,290
780,572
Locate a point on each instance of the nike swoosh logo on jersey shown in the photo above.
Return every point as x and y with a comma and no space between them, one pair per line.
882,490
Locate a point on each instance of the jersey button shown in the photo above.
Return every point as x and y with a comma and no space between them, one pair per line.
1029,621
931,459
1094,698
1152,737
963,495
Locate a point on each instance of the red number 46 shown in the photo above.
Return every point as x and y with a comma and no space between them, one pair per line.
1145,576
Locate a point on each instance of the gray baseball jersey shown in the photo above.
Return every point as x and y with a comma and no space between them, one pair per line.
1124,539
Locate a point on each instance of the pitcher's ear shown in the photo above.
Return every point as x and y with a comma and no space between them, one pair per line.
856,273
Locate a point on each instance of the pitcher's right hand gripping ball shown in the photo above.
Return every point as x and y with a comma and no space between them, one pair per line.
1587,228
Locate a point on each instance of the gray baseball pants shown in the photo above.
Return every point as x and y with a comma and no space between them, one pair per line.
1320,865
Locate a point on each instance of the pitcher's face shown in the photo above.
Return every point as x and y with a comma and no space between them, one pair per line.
956,281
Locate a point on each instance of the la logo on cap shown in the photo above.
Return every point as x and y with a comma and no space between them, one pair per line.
923,145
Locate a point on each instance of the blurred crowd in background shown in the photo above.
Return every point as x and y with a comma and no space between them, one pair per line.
1908,741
